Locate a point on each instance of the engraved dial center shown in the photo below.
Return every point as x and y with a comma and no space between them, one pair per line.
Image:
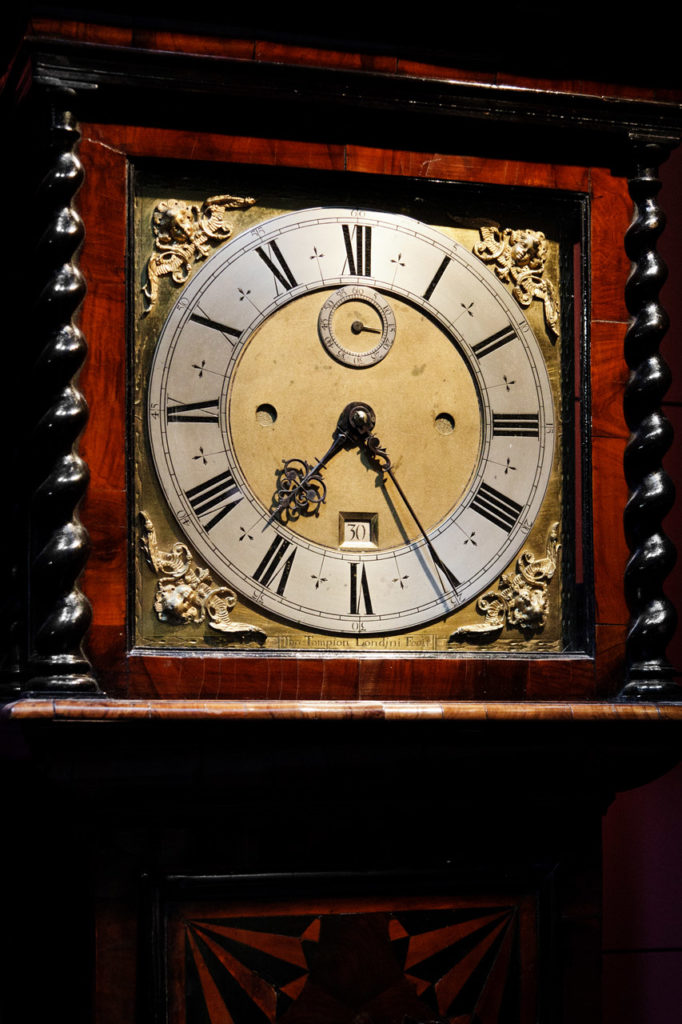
423,368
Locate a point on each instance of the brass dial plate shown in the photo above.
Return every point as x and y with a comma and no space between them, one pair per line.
268,412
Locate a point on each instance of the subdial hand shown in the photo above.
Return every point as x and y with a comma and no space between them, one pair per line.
357,327
363,420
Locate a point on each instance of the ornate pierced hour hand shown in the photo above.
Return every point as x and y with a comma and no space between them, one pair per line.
301,489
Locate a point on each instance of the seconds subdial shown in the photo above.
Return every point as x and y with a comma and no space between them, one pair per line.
357,326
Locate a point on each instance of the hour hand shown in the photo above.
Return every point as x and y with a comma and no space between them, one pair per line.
301,489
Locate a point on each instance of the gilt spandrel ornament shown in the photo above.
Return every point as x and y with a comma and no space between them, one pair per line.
518,258
184,234
521,602
186,594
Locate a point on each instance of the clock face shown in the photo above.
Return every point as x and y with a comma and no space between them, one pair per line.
351,421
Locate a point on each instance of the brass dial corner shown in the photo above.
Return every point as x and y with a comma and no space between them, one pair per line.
187,594
518,257
183,235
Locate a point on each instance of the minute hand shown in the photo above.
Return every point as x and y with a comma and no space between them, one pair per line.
380,456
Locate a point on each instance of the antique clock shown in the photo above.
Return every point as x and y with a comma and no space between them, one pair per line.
343,614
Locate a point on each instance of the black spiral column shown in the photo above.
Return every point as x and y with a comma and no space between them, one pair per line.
59,613
649,675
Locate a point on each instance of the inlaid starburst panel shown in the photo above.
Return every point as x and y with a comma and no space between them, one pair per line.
346,962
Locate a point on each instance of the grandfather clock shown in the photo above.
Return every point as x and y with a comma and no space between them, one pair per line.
327,646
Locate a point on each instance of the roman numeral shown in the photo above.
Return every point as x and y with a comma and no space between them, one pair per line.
488,345
522,424
276,564
436,278
207,497
360,260
193,412
496,507
206,321
359,594
280,268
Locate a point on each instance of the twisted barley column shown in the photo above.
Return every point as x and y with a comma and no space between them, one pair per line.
649,675
60,613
